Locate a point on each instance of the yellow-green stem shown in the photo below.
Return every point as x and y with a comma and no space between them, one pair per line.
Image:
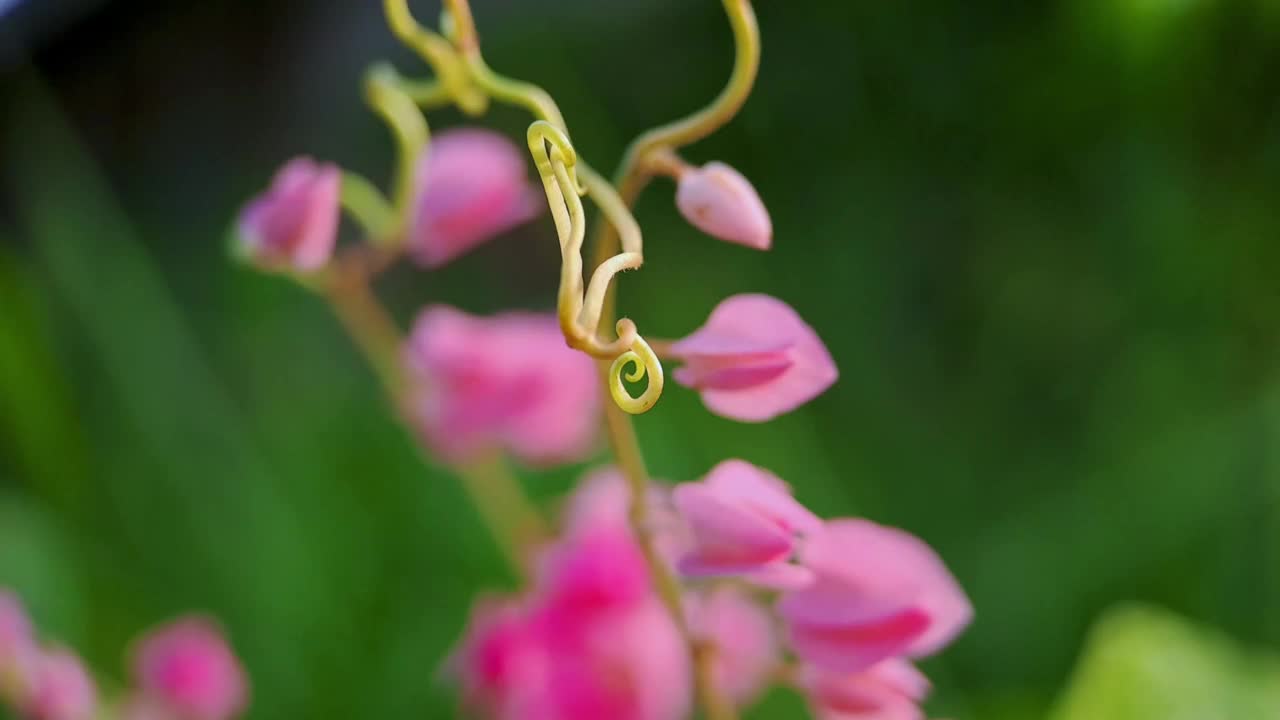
512,519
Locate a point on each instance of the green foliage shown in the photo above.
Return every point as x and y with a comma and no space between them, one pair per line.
1142,663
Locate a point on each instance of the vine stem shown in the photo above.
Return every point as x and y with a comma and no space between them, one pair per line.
511,518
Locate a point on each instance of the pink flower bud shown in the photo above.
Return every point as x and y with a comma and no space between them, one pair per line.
744,523
472,185
719,201
188,666
60,688
754,359
506,382
888,690
742,633
294,224
500,657
878,593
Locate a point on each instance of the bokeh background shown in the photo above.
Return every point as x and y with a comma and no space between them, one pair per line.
1040,238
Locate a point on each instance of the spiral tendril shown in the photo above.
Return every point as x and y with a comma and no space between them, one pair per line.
565,179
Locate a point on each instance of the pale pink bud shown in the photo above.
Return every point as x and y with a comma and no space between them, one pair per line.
744,523
888,690
741,630
719,201
60,688
472,185
188,666
504,382
878,592
293,226
754,359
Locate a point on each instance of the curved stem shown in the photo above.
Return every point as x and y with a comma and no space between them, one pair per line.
634,173
439,53
410,128
514,92
464,25
366,204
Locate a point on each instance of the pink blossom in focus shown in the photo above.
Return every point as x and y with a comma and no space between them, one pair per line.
878,592
472,185
888,690
188,666
754,359
719,201
503,382
742,632
294,224
744,523
60,688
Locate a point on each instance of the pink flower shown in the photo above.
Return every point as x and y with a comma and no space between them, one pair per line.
878,593
742,633
472,185
744,523
188,666
603,499
599,568
294,224
719,201
555,657
507,382
754,359
60,688
888,690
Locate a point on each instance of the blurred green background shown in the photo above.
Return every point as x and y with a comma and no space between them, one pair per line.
1040,239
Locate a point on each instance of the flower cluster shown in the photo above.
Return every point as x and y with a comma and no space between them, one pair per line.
588,639
650,595
182,671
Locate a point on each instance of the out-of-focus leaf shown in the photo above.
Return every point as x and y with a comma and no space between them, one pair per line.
37,560
1143,663
37,421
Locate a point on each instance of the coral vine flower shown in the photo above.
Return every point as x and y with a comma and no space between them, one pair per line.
719,201
888,690
744,523
507,381
742,631
754,359
472,185
188,666
60,688
878,592
294,224
590,641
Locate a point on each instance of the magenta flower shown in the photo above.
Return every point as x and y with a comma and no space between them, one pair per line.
878,593
188,666
294,224
741,630
888,690
472,185
744,523
719,201
60,688
507,381
754,359
591,641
